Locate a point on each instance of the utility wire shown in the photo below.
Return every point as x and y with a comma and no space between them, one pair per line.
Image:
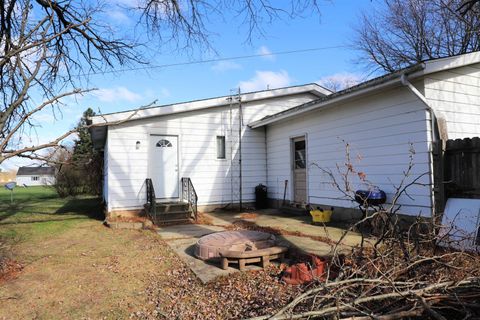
214,60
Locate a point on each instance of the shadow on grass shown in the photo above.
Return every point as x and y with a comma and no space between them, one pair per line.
88,207
31,221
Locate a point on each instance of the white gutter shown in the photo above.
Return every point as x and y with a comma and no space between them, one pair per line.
433,117
433,121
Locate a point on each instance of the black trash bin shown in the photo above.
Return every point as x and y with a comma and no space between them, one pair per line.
261,201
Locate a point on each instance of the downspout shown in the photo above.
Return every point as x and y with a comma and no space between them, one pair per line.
433,117
433,121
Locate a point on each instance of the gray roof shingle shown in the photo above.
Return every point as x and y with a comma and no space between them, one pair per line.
28,171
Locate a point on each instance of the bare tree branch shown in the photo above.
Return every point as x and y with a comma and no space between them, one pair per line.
48,47
405,32
31,152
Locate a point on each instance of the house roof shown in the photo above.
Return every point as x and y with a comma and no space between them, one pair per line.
99,132
160,110
391,79
29,171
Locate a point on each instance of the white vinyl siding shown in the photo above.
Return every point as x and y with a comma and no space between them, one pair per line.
197,131
455,96
378,128
35,180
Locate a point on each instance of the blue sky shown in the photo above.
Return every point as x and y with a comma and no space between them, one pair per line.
125,90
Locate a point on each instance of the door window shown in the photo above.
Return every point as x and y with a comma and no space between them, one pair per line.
300,162
164,143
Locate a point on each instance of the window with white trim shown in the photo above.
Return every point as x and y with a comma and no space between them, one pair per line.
35,178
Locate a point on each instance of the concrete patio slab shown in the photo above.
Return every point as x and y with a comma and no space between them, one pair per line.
275,219
183,231
182,238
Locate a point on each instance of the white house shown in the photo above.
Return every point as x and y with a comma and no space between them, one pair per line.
228,145
35,176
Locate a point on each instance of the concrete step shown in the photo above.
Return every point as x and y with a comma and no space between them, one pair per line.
173,222
172,217
171,207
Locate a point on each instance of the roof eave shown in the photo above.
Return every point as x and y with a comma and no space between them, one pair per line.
447,63
393,79
156,111
99,123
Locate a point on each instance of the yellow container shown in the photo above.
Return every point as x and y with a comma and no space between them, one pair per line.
321,216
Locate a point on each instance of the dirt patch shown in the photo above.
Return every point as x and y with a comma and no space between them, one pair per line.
248,216
9,269
128,219
204,219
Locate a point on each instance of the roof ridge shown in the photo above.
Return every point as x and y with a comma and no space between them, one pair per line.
214,98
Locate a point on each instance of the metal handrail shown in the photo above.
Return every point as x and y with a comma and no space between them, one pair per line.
151,202
190,195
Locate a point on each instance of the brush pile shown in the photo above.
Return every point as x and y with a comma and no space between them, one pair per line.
404,276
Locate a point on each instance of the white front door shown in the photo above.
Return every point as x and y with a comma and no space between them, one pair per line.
163,166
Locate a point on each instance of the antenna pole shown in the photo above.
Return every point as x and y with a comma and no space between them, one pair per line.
240,125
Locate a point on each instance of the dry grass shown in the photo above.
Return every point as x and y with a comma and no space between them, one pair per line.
88,271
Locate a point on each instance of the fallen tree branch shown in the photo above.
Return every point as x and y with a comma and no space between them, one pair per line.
392,316
350,306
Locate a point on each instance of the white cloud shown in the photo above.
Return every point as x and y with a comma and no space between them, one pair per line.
340,81
14,163
266,80
116,94
45,117
223,66
126,3
118,15
266,53
120,11
156,94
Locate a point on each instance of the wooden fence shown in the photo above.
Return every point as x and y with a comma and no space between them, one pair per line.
461,163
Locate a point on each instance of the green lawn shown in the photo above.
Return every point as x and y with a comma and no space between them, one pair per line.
38,211
73,266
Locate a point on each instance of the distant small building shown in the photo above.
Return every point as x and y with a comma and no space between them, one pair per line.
35,176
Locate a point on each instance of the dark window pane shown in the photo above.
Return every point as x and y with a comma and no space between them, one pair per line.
164,143
300,153
300,145
220,147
